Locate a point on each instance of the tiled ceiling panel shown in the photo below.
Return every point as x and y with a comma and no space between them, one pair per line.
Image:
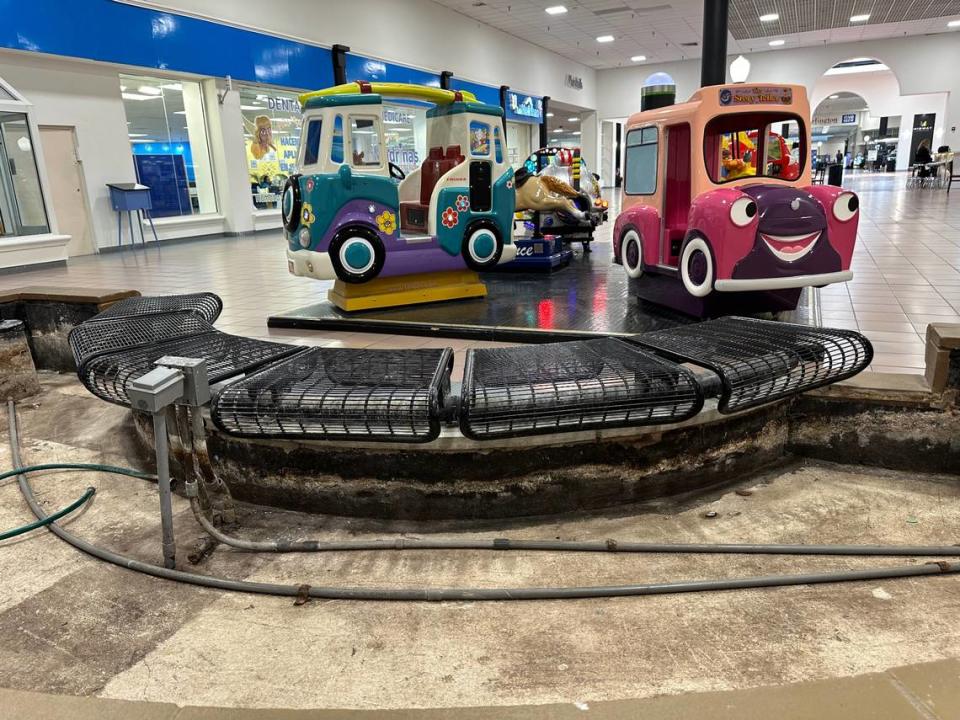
667,30
802,16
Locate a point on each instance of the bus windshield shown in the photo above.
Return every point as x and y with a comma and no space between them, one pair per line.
747,145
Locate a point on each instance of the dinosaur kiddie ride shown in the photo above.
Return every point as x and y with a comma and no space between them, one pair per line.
717,216
347,219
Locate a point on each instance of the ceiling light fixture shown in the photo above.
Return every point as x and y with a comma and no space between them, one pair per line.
834,97
777,43
573,119
576,132
605,39
860,18
558,130
638,58
953,23
549,114
769,17
149,90
555,10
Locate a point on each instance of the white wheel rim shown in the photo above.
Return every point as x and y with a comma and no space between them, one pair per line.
344,249
472,242
704,288
632,236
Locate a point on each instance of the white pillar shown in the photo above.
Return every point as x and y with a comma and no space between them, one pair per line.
590,140
227,146
199,147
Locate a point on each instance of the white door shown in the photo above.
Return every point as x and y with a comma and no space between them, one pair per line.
68,195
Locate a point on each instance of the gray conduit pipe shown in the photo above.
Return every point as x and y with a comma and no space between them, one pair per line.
613,546
455,594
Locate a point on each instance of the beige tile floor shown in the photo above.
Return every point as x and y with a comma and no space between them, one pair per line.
906,274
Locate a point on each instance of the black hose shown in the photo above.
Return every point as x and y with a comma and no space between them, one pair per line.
459,594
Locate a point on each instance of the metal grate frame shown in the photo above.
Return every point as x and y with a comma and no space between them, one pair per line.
93,338
106,374
760,361
205,304
572,386
337,394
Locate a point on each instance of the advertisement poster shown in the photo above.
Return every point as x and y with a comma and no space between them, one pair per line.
922,130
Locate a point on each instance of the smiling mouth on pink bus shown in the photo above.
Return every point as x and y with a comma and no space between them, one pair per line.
790,248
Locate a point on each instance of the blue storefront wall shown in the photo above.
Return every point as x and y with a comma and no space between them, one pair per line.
110,31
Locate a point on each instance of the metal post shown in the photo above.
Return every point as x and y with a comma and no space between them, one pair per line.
713,63
503,106
338,54
133,237
163,483
543,122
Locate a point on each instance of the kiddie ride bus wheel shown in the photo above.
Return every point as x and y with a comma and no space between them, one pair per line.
482,246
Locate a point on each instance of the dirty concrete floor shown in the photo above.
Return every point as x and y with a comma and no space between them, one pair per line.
73,625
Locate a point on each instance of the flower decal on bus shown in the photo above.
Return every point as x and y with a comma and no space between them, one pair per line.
387,222
306,214
450,217
463,203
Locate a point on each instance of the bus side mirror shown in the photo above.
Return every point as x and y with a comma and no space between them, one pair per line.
346,176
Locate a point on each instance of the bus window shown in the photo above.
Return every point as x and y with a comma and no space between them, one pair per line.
311,150
754,145
479,139
497,145
640,176
336,143
365,136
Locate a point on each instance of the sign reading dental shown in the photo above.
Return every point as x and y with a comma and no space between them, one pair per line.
524,108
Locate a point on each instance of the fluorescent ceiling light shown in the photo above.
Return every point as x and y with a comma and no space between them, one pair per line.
172,86
605,39
179,112
834,97
769,17
777,43
573,119
149,90
576,132
555,10
638,58
558,130
860,18
136,96
251,107
136,135
953,23
549,114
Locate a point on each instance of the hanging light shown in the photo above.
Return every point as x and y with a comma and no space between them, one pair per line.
740,69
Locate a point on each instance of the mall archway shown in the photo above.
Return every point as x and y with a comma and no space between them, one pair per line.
843,123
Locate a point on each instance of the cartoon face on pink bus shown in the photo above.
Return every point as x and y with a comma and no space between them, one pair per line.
728,212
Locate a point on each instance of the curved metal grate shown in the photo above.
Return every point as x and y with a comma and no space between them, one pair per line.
106,374
93,338
564,387
205,304
760,361
335,393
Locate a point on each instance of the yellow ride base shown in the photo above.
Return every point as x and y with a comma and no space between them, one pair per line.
407,290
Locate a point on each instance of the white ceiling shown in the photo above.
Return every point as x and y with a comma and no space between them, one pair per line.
663,29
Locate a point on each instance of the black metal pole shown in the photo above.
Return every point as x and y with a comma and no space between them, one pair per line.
445,77
543,123
339,55
503,106
713,64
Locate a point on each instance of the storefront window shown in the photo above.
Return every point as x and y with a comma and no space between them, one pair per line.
271,128
168,138
21,201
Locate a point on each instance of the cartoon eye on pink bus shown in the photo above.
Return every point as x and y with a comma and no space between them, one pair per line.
717,199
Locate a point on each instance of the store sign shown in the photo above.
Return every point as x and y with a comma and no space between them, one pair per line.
524,108
756,96
284,104
574,82
923,125
844,119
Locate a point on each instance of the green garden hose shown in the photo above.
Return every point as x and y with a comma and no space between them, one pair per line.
90,492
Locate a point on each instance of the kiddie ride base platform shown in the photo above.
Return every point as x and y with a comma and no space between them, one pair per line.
406,290
589,297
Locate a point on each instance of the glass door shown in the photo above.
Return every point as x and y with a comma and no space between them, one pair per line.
21,201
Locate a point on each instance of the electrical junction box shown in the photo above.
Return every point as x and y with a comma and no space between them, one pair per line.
156,390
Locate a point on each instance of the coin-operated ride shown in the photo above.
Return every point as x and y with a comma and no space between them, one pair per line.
347,218
719,214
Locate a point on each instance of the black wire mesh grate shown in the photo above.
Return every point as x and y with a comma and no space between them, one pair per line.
564,387
92,338
760,361
337,393
205,304
107,374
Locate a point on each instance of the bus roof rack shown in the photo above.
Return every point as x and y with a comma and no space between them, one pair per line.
435,95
